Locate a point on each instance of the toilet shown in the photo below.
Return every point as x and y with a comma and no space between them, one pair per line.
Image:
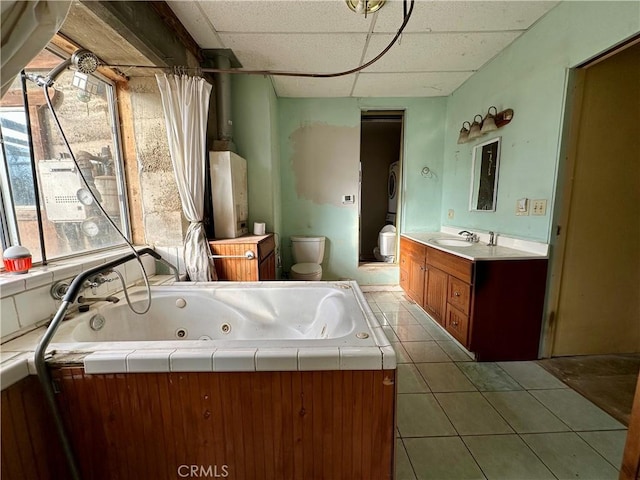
386,249
308,253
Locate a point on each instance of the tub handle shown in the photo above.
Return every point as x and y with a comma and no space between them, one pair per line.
249,255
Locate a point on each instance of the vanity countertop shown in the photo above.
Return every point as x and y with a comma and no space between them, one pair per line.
517,249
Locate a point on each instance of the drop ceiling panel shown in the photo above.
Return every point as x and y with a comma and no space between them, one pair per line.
316,53
444,42
279,16
432,52
408,84
320,87
196,23
462,16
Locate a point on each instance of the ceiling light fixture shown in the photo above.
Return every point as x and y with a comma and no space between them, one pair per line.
408,10
365,6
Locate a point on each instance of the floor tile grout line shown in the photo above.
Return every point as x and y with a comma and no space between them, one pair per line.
576,434
409,458
541,404
536,454
596,450
482,393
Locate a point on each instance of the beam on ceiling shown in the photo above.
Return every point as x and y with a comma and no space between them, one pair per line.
151,27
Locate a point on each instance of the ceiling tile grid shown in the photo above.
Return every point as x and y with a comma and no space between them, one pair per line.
444,43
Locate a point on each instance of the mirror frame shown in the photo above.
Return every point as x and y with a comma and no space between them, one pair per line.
483,167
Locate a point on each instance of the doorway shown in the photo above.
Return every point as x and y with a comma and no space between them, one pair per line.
595,299
380,181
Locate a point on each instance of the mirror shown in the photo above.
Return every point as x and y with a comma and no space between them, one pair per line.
484,176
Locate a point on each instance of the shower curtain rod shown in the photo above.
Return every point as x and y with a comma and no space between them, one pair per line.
184,69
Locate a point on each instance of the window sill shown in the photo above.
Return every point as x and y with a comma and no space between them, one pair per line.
11,283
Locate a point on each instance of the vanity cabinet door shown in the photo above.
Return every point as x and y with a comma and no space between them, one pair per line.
457,324
416,279
404,270
435,293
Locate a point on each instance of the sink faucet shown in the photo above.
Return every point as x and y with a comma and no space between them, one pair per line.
469,236
492,239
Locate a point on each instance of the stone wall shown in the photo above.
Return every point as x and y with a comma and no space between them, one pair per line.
164,224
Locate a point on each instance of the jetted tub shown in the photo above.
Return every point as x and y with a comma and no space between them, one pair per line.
299,320
266,375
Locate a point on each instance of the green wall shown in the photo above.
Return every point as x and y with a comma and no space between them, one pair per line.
320,154
529,76
303,154
254,115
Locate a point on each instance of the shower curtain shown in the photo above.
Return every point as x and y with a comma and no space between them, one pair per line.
27,27
185,101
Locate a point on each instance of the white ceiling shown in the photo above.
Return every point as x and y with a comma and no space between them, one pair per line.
444,43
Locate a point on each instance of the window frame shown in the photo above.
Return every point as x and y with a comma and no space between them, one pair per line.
10,234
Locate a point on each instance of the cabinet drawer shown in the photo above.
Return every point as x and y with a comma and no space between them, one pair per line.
411,248
459,294
457,324
458,267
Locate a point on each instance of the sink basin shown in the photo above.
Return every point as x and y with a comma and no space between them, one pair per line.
450,242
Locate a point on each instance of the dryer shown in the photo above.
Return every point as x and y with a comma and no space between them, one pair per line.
393,186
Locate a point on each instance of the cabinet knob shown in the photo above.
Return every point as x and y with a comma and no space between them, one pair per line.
456,294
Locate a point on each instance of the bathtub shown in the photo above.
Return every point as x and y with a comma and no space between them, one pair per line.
265,375
303,324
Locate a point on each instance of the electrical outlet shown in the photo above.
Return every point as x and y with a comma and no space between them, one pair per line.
348,199
539,207
522,206
450,214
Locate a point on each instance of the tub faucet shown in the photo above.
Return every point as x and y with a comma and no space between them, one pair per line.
85,300
469,236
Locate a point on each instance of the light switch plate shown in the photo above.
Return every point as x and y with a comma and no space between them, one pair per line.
539,207
348,199
522,206
450,214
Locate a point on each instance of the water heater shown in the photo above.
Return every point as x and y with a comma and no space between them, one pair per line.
229,194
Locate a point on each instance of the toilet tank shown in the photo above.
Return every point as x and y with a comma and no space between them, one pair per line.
307,249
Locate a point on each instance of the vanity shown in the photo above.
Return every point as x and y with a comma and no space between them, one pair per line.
489,298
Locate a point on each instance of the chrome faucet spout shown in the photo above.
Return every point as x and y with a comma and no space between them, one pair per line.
110,298
469,236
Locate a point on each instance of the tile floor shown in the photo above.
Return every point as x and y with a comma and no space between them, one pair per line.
458,419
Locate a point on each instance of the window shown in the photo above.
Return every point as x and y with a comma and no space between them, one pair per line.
44,203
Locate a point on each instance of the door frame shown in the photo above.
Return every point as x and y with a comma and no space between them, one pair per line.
570,136
396,112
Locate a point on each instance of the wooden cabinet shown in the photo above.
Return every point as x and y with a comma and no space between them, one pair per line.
412,262
493,308
234,266
435,293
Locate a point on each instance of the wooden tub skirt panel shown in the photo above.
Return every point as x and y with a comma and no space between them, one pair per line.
29,443
241,425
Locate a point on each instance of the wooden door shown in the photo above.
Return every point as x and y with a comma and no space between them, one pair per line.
267,269
595,304
435,293
630,469
416,279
